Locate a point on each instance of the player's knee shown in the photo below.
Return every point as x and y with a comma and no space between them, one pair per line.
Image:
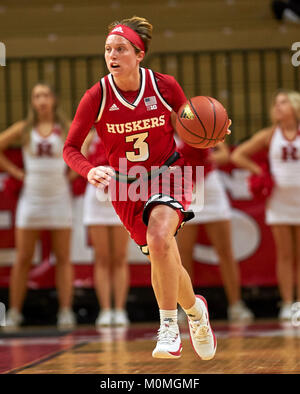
158,241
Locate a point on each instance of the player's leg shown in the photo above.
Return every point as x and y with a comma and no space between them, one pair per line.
100,237
219,233
165,277
186,240
172,284
165,270
25,245
60,243
283,237
120,273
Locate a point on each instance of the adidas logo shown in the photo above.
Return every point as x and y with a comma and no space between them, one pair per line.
114,107
119,29
187,113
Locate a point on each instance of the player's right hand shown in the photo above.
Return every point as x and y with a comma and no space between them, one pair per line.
100,176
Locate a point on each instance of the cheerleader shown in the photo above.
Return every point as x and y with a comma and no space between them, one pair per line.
110,242
216,218
282,139
45,200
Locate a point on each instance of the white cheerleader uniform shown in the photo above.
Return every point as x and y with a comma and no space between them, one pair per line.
45,201
97,209
216,205
283,206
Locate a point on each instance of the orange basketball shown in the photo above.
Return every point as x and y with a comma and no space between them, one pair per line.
202,122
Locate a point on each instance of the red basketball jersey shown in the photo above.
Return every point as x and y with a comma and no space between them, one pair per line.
139,131
135,126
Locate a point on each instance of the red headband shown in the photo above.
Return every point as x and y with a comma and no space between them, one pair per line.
129,34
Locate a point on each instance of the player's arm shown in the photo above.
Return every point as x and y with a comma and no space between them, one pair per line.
241,156
84,150
79,129
82,123
71,174
7,138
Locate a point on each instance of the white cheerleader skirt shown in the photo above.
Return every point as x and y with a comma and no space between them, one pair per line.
283,206
215,206
97,209
44,212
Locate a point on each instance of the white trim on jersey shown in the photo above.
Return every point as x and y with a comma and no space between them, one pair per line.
139,96
103,99
157,91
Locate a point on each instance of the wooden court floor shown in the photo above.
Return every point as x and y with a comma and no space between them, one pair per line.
264,347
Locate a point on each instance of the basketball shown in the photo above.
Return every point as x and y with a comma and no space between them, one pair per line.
202,122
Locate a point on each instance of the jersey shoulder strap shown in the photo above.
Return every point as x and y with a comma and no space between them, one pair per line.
102,103
157,91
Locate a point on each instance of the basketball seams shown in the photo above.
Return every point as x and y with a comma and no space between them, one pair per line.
202,135
188,130
214,111
195,112
196,135
226,119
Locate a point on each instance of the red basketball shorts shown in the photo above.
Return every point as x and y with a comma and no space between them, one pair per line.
134,201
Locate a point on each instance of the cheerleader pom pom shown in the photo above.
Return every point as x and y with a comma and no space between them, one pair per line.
261,185
12,188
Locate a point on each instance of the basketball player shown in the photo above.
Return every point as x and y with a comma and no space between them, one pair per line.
282,139
216,217
133,110
45,201
110,242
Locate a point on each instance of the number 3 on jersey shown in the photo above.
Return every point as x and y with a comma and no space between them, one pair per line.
139,144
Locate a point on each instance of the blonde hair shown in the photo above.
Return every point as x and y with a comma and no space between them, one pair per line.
32,119
140,25
294,98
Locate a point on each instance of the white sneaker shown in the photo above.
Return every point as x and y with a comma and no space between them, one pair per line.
13,318
285,312
66,318
105,318
168,342
201,334
120,318
239,312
